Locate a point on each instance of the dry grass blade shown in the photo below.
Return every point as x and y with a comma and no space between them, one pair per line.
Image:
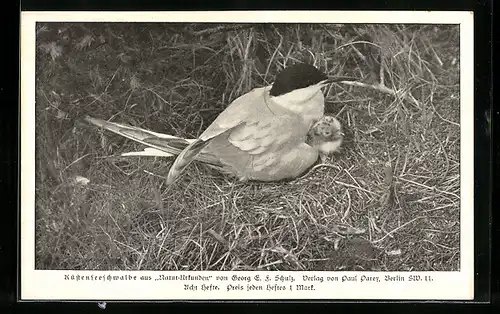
387,199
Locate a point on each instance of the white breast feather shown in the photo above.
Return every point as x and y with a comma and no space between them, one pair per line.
307,102
330,147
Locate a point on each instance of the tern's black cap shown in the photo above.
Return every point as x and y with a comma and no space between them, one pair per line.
294,77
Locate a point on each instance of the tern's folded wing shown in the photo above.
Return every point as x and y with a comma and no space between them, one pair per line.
251,126
270,133
243,109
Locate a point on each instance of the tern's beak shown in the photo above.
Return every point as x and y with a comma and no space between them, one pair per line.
325,82
336,79
329,81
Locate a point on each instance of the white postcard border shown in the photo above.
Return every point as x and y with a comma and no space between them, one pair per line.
62,285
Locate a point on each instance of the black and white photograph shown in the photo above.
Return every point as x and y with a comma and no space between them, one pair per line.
276,147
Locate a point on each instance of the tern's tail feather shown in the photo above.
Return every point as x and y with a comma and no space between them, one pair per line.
149,152
159,145
189,154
